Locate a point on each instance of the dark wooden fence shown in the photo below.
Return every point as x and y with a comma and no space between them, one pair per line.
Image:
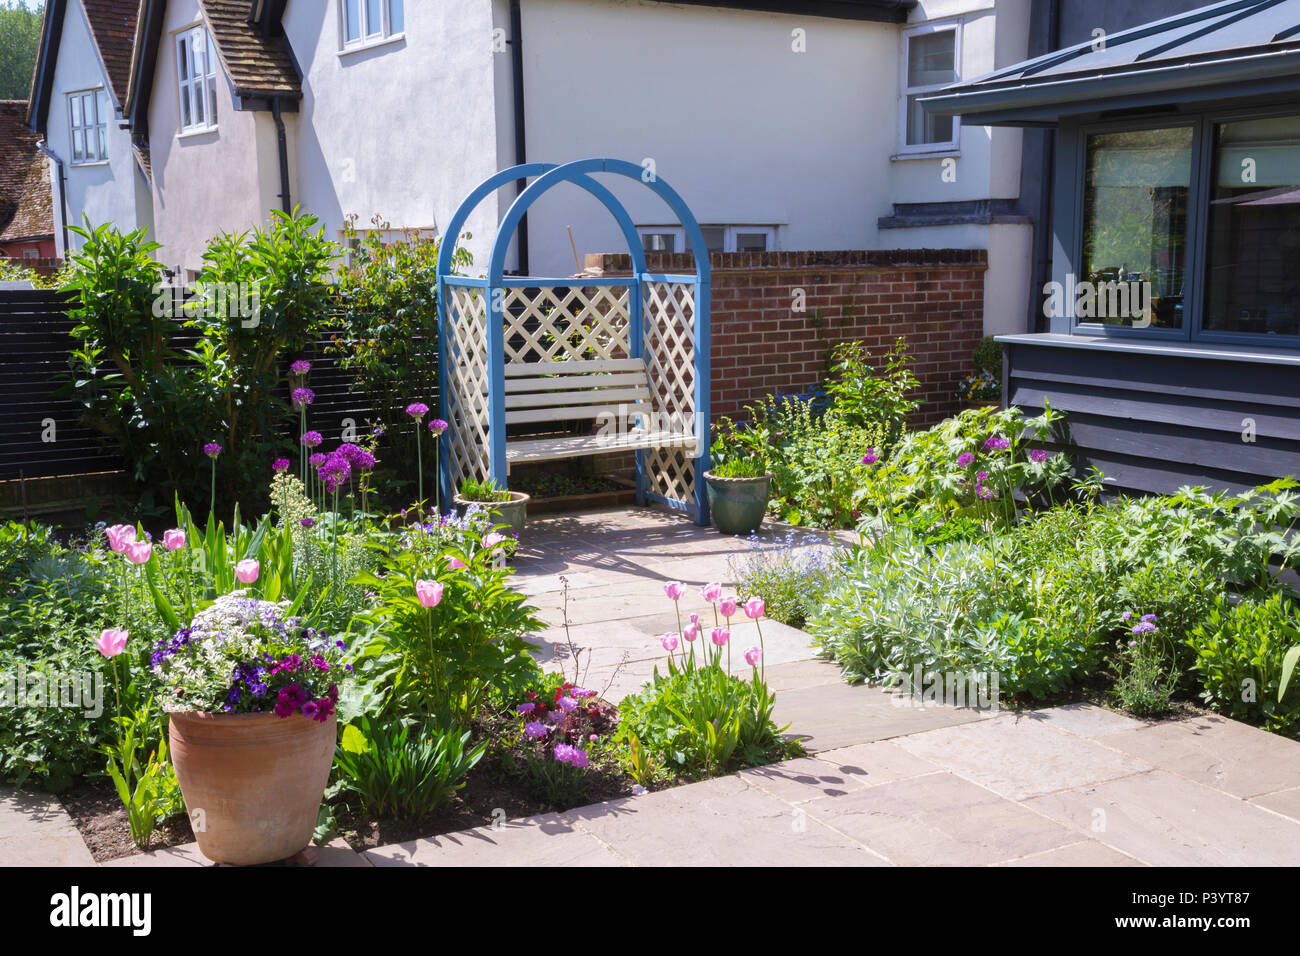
35,341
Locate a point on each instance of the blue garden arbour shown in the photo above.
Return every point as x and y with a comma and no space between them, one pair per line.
630,352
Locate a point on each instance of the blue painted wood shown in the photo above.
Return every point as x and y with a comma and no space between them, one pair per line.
703,383
544,177
444,397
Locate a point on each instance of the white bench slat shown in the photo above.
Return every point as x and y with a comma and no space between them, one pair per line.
565,413
569,446
558,382
559,399
576,367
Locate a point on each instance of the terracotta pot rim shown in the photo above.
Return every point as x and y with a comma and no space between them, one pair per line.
256,717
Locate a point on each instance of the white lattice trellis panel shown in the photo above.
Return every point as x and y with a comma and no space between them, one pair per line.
668,345
468,375
558,323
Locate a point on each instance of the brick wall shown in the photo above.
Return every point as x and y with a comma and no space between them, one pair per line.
934,298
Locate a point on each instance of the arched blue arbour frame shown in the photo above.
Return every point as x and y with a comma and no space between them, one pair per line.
544,177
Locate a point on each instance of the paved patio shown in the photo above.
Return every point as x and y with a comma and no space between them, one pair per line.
885,783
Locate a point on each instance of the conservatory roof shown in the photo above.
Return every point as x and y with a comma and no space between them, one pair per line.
1227,49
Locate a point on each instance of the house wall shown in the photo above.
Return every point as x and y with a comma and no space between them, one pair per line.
402,131
223,180
105,192
932,298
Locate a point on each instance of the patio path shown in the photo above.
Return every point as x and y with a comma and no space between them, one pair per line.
885,783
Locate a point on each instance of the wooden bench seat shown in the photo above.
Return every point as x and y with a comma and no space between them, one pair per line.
615,390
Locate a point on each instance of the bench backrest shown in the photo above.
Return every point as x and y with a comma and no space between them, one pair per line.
562,391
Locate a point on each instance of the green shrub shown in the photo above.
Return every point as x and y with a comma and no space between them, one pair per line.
404,770
699,721
1238,660
868,398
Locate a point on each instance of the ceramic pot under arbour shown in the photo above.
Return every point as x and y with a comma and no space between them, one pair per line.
738,504
510,513
252,783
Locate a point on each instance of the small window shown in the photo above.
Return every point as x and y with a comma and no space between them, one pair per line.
365,22
88,121
716,238
196,73
931,54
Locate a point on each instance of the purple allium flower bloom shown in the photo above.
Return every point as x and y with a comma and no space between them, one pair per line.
564,752
965,459
526,708
984,492
1144,627
567,704
1148,617
212,449
280,464
417,410
310,439
870,458
996,443
536,729
302,397
437,426
1039,455
578,758
1126,615
317,460
300,367
982,476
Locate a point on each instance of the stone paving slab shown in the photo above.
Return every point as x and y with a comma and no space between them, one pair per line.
1285,802
35,830
1166,820
1085,720
1019,757
1218,752
544,841
720,822
1084,853
336,853
837,772
939,820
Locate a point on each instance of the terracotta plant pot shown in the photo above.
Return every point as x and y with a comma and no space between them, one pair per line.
509,513
738,504
257,778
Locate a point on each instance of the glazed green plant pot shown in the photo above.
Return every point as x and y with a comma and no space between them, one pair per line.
509,513
738,504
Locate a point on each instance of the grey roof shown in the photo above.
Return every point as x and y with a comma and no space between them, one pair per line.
1236,47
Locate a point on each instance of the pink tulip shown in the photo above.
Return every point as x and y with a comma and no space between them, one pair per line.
456,564
691,632
728,607
247,571
720,636
711,592
669,641
174,539
754,608
429,593
137,552
119,536
112,641
753,656
674,590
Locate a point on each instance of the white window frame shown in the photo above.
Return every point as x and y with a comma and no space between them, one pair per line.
96,99
920,29
385,32
195,88
729,234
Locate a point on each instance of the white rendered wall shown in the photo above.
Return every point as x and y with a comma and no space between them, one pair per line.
206,183
106,191
402,130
